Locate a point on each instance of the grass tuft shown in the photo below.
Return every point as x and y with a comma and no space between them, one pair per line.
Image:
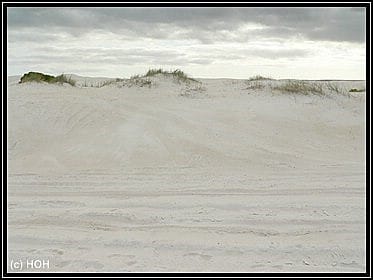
259,78
335,88
139,81
179,75
61,79
254,85
303,87
153,72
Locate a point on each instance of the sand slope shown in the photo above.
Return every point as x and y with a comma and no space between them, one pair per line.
200,177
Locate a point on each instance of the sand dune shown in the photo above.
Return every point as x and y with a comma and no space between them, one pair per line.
218,175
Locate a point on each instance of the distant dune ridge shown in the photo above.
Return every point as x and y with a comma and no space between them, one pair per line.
153,77
166,172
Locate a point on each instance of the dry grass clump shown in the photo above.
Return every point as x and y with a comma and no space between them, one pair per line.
335,88
109,82
139,81
302,87
197,91
177,74
254,85
64,79
145,81
153,72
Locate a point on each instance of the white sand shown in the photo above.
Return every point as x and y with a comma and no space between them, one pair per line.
139,179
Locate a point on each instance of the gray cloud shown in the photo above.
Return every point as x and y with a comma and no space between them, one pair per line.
334,24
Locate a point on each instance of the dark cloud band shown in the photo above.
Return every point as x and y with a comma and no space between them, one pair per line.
330,24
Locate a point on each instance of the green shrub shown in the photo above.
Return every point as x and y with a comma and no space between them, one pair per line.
259,78
40,77
36,77
356,90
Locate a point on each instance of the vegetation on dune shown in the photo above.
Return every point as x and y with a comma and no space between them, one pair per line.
36,77
308,87
64,79
357,90
194,91
40,77
139,81
137,76
109,82
145,81
254,85
177,74
135,80
181,76
259,78
333,87
303,87
153,72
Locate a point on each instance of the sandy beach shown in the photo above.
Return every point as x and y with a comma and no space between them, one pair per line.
211,176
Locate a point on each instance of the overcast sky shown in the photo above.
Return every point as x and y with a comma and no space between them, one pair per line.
309,43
